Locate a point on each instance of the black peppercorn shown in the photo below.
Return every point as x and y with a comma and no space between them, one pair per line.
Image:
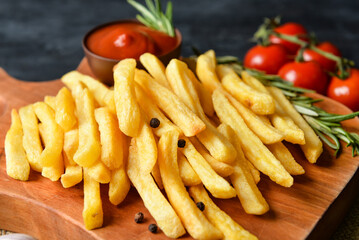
200,206
152,228
154,123
139,217
181,143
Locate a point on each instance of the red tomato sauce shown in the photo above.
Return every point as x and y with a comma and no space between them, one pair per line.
129,40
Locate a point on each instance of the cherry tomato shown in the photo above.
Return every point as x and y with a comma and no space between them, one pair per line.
308,75
327,64
346,91
288,29
268,59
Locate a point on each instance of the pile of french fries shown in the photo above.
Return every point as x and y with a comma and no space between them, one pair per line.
232,125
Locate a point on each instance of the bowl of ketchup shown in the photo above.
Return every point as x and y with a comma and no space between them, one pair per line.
107,44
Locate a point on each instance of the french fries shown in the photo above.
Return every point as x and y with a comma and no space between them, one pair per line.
17,165
65,110
175,109
31,139
188,175
254,149
155,67
128,111
152,197
230,229
119,186
206,70
313,147
193,219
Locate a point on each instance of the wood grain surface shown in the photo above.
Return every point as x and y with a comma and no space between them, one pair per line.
312,208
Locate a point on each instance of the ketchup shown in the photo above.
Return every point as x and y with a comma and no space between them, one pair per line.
129,40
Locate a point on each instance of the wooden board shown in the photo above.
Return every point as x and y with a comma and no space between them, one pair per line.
312,208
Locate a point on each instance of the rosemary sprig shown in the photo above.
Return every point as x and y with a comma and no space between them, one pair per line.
326,125
153,17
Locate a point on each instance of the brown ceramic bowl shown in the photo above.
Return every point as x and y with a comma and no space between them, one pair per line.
102,66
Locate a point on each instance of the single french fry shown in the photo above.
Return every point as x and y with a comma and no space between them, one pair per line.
152,197
281,152
174,108
254,171
71,143
180,82
99,172
157,176
119,185
266,132
260,103
206,70
92,213
72,176
242,179
215,184
292,133
31,139
17,165
128,111
72,79
193,219
55,140
188,175
65,110
155,67
89,149
254,149
313,146
230,229
152,111
223,169
147,149
111,138
253,82
51,101
56,169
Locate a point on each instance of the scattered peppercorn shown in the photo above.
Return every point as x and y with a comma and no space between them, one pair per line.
152,228
154,123
181,143
200,206
139,217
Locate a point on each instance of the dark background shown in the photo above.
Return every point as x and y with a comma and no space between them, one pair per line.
41,39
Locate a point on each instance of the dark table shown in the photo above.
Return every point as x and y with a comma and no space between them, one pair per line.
41,39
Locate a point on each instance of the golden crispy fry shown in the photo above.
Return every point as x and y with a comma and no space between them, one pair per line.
89,149
128,111
223,169
206,70
282,153
188,175
152,111
119,186
193,219
103,95
155,67
242,178
254,171
51,101
71,143
253,82
65,110
54,171
31,139
230,229
72,176
147,149
216,184
266,132
313,146
204,95
72,79
253,148
260,103
179,79
99,172
92,213
53,132
111,138
292,133
17,165
152,197
175,109
157,176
